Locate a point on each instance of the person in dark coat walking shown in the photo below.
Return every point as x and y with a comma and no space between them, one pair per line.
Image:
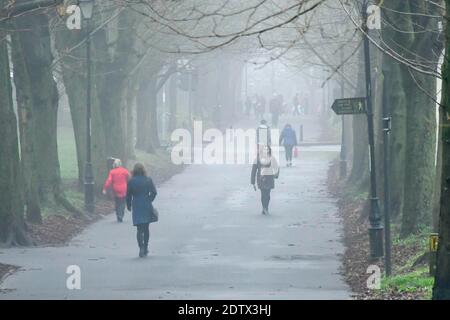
264,171
289,139
140,194
276,108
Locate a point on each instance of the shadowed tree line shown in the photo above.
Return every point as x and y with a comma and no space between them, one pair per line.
39,53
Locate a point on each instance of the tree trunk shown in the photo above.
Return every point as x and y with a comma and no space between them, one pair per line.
142,117
360,162
113,60
12,227
111,94
173,103
421,149
359,175
27,132
227,82
130,107
437,181
33,42
441,288
395,98
421,121
152,126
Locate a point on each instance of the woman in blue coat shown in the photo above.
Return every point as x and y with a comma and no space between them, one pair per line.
288,138
140,194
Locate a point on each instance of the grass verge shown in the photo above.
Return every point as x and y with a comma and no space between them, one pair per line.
410,277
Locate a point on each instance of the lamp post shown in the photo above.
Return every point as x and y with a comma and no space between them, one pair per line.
87,7
376,228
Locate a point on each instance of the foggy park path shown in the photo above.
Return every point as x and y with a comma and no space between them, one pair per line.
212,242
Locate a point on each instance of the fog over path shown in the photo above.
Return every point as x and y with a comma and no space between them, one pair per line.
212,242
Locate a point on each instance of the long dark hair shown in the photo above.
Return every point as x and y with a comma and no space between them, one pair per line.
139,170
269,150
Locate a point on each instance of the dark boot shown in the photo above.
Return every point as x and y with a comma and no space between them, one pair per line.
145,246
141,252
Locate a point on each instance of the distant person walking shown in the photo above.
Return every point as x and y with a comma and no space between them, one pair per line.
264,171
117,179
288,138
296,105
276,105
140,195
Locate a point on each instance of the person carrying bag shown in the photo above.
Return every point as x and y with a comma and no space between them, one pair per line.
141,192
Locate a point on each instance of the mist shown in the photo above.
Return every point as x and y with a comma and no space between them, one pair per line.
217,150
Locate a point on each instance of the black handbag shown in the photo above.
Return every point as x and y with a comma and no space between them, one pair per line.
154,215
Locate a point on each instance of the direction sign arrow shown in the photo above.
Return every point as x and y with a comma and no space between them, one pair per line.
349,106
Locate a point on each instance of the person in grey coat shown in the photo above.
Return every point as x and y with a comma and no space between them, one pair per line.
264,172
140,194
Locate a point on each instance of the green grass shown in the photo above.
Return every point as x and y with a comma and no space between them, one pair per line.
407,279
417,280
69,166
69,174
421,237
67,154
75,197
68,159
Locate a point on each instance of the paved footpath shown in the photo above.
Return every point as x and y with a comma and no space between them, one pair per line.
212,242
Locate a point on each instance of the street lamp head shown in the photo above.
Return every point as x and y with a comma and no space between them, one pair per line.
86,6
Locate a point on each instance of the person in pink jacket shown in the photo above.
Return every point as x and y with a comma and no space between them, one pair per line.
118,179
